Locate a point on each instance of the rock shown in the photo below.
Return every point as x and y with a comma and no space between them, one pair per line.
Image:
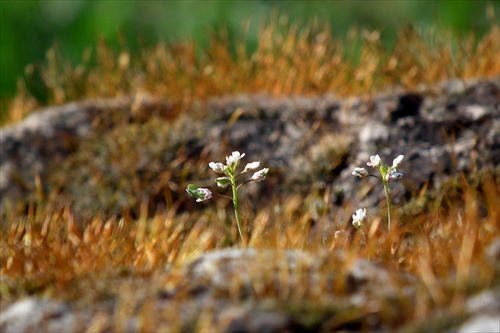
307,141
225,271
234,283
481,324
45,138
37,315
493,252
486,301
484,311
246,319
408,106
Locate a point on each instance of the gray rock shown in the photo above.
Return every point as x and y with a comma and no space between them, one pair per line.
37,315
247,319
481,324
486,301
44,139
227,270
307,141
484,310
233,283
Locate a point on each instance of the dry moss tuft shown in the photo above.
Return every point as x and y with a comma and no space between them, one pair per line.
289,59
447,249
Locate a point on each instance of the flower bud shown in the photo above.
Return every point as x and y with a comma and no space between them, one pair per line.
394,176
251,166
397,161
201,194
260,175
222,181
205,194
360,172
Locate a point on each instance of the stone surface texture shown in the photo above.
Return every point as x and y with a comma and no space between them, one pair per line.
306,141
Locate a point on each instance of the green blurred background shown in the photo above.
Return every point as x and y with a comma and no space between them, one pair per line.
29,28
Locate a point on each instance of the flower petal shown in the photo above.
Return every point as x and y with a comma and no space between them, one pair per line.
358,217
217,167
234,160
251,166
397,161
375,161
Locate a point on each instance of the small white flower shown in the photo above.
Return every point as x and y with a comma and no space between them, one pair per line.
251,166
217,167
394,176
205,193
359,172
359,217
397,161
375,161
260,175
222,181
234,160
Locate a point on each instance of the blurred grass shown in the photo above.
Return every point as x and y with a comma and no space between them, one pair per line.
447,249
29,28
289,58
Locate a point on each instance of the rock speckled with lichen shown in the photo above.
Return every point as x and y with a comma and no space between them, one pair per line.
309,142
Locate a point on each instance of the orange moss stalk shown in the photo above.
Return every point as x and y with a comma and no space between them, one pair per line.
289,59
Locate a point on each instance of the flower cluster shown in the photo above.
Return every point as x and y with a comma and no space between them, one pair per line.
387,175
229,178
229,170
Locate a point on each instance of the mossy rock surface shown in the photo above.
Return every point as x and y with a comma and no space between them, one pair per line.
101,157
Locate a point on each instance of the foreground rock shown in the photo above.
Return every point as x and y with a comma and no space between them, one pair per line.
247,290
252,290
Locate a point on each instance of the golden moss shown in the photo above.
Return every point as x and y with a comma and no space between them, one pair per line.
446,248
289,59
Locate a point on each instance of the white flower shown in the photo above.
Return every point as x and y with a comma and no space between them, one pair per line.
375,161
217,167
222,181
359,217
251,166
260,175
359,172
394,176
397,161
234,160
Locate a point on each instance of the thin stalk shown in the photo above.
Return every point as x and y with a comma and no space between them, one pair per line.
386,190
236,209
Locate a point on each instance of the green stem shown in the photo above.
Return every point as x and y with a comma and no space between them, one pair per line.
386,190
236,208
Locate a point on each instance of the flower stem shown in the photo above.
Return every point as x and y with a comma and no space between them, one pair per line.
386,190
236,209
